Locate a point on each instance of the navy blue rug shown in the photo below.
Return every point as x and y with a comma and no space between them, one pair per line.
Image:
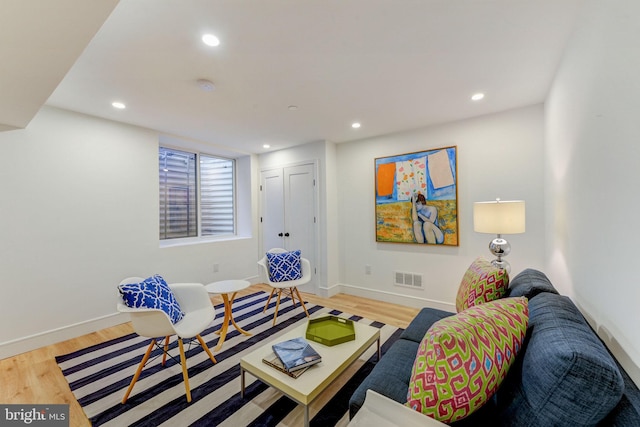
99,376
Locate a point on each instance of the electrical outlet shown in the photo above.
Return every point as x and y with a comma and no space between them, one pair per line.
216,268
367,269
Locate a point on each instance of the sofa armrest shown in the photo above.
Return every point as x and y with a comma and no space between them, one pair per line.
380,411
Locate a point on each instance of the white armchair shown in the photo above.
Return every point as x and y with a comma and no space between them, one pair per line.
289,287
194,301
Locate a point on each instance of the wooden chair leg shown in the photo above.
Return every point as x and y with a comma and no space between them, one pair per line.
301,301
185,374
275,315
268,300
137,374
293,296
166,349
204,346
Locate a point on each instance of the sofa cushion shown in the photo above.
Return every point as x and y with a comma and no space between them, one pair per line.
422,322
390,376
530,283
463,359
284,266
482,282
565,375
627,411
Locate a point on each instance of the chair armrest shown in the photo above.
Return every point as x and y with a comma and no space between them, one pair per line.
264,268
263,263
148,322
380,411
191,296
306,267
126,309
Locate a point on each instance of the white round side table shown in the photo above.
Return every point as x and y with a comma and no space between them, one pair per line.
224,288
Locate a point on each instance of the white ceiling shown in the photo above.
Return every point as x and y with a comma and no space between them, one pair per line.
390,64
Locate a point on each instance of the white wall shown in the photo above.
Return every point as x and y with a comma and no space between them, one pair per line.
499,155
593,158
78,213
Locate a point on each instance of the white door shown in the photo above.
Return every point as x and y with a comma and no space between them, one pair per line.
288,212
272,203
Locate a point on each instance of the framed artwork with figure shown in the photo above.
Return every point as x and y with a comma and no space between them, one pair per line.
417,197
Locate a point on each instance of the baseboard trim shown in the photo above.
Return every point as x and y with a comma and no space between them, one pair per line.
328,292
395,298
42,339
620,352
254,280
614,340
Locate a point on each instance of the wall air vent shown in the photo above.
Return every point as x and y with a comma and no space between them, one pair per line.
409,280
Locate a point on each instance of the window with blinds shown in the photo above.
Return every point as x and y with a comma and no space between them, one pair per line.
187,212
216,196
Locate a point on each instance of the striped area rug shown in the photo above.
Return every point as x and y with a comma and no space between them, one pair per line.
99,376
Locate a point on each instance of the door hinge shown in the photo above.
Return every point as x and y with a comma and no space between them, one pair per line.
260,219
260,187
314,219
314,182
315,270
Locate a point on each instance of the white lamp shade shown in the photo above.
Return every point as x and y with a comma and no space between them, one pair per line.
499,217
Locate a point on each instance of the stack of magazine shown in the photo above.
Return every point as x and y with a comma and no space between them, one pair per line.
292,357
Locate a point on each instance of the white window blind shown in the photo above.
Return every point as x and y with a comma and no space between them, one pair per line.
179,186
216,196
178,201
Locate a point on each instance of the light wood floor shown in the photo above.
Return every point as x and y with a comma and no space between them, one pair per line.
34,377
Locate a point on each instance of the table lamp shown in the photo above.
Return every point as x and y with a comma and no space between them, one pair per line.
499,217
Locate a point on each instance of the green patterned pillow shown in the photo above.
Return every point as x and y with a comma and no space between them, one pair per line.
482,282
462,359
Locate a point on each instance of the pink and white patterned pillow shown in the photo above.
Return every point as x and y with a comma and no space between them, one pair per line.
462,359
482,282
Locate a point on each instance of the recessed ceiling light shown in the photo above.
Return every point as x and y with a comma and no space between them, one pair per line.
355,125
266,146
477,97
210,40
206,85
292,107
118,105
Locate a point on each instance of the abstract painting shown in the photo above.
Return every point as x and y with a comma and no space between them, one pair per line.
417,197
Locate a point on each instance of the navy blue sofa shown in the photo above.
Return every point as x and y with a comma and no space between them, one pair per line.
563,376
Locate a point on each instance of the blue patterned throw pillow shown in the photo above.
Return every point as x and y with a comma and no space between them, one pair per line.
284,266
153,292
